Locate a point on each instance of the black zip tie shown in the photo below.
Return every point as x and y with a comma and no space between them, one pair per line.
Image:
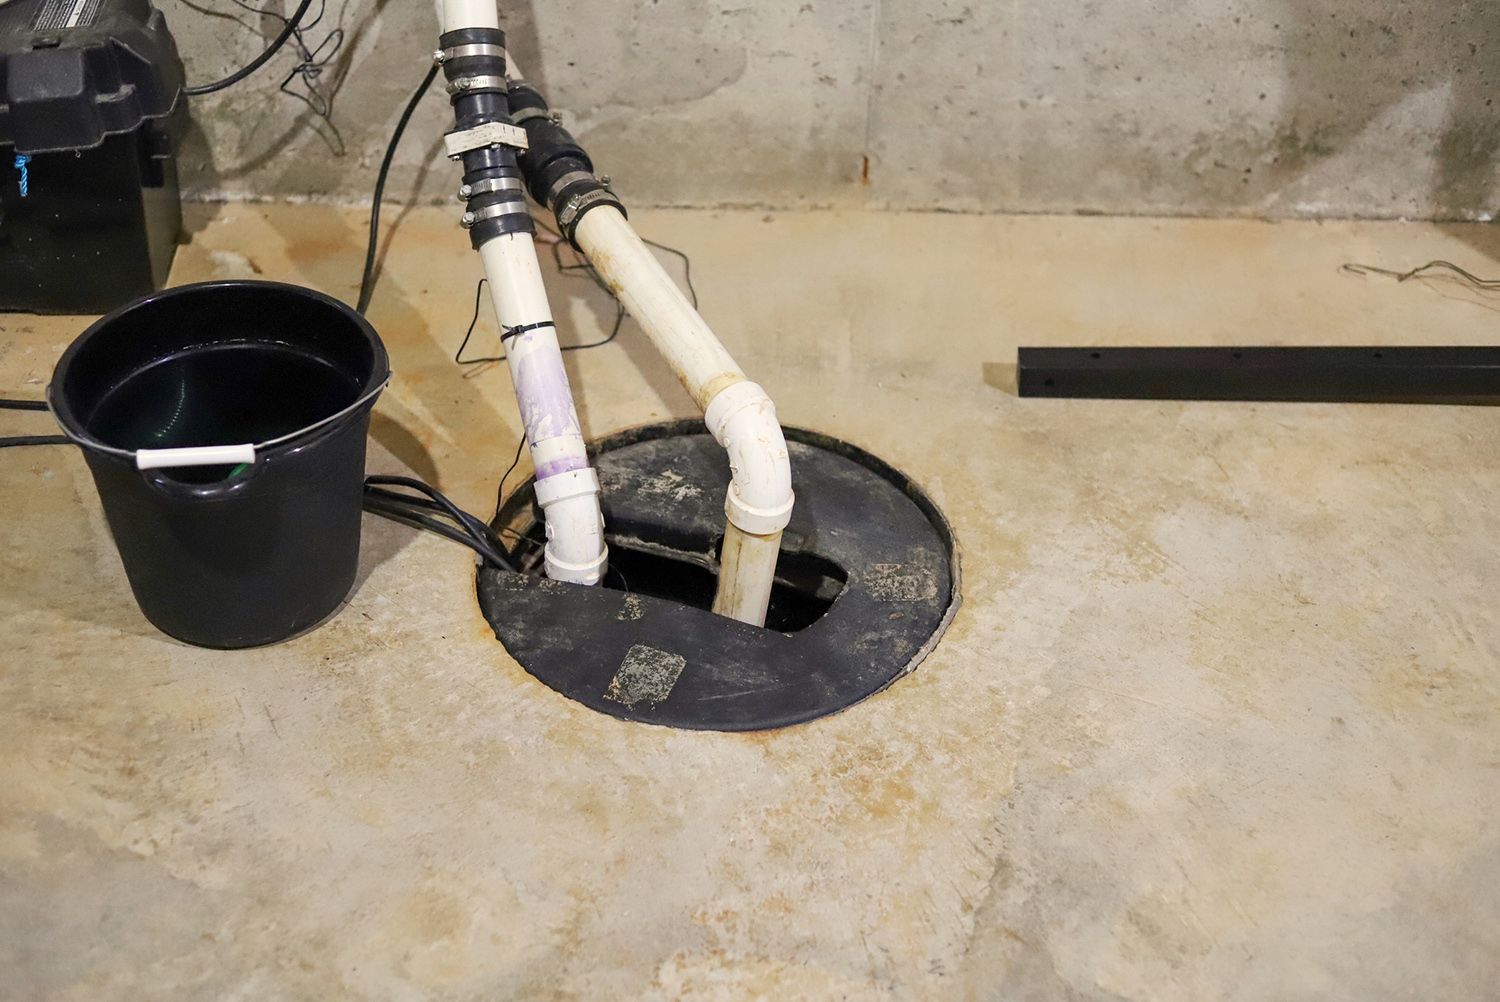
510,332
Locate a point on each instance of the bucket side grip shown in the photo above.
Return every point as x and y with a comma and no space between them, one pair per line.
206,455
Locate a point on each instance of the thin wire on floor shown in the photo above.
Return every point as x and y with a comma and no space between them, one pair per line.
1432,269
579,265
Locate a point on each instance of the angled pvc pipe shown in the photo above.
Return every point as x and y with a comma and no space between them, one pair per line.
738,412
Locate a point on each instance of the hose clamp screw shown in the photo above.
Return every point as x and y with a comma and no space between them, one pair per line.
439,56
465,192
555,118
467,220
605,180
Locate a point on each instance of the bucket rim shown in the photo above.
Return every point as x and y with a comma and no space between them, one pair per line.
374,383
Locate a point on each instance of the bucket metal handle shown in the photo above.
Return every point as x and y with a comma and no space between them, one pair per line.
210,455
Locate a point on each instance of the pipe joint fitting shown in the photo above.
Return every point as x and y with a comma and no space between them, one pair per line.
757,521
562,486
742,419
590,573
572,500
727,405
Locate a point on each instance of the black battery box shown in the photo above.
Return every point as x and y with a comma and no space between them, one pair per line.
91,112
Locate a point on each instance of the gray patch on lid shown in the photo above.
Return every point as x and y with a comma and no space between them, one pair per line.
647,675
900,583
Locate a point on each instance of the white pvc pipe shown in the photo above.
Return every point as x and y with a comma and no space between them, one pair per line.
455,14
653,299
738,412
566,488
758,504
747,569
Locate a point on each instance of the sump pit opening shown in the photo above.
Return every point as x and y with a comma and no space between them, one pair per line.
805,589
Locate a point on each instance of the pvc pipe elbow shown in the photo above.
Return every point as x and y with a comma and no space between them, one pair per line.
742,419
575,551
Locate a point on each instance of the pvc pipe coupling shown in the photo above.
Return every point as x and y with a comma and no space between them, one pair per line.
742,419
570,501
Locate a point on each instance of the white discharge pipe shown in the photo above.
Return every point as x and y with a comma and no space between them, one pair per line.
738,412
566,488
456,14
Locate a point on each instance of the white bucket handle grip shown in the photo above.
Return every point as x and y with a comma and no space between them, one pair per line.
205,455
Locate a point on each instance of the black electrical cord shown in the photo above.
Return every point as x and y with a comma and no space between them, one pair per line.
500,490
473,526
427,512
12,404
19,440
367,281
1424,271
408,517
432,519
281,39
434,501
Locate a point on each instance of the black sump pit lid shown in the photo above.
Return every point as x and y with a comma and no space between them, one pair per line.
868,580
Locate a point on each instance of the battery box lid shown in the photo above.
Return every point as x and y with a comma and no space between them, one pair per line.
73,72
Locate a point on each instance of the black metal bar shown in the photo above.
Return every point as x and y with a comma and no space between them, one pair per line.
1401,375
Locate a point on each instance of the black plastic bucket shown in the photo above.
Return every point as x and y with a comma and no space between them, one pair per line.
241,554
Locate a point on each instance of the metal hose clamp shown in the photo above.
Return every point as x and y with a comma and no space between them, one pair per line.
489,186
494,211
520,116
578,204
441,56
554,194
467,85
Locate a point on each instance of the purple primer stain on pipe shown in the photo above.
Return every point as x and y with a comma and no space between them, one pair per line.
555,467
546,401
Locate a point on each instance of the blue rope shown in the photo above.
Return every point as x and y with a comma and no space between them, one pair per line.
22,160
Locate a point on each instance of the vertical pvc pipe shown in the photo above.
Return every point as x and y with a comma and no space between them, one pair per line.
747,571
567,488
469,14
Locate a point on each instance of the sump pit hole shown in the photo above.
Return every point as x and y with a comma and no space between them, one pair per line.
805,588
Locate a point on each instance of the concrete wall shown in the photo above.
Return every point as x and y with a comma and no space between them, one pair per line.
1258,107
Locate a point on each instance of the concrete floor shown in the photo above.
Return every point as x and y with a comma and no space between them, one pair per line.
1216,719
